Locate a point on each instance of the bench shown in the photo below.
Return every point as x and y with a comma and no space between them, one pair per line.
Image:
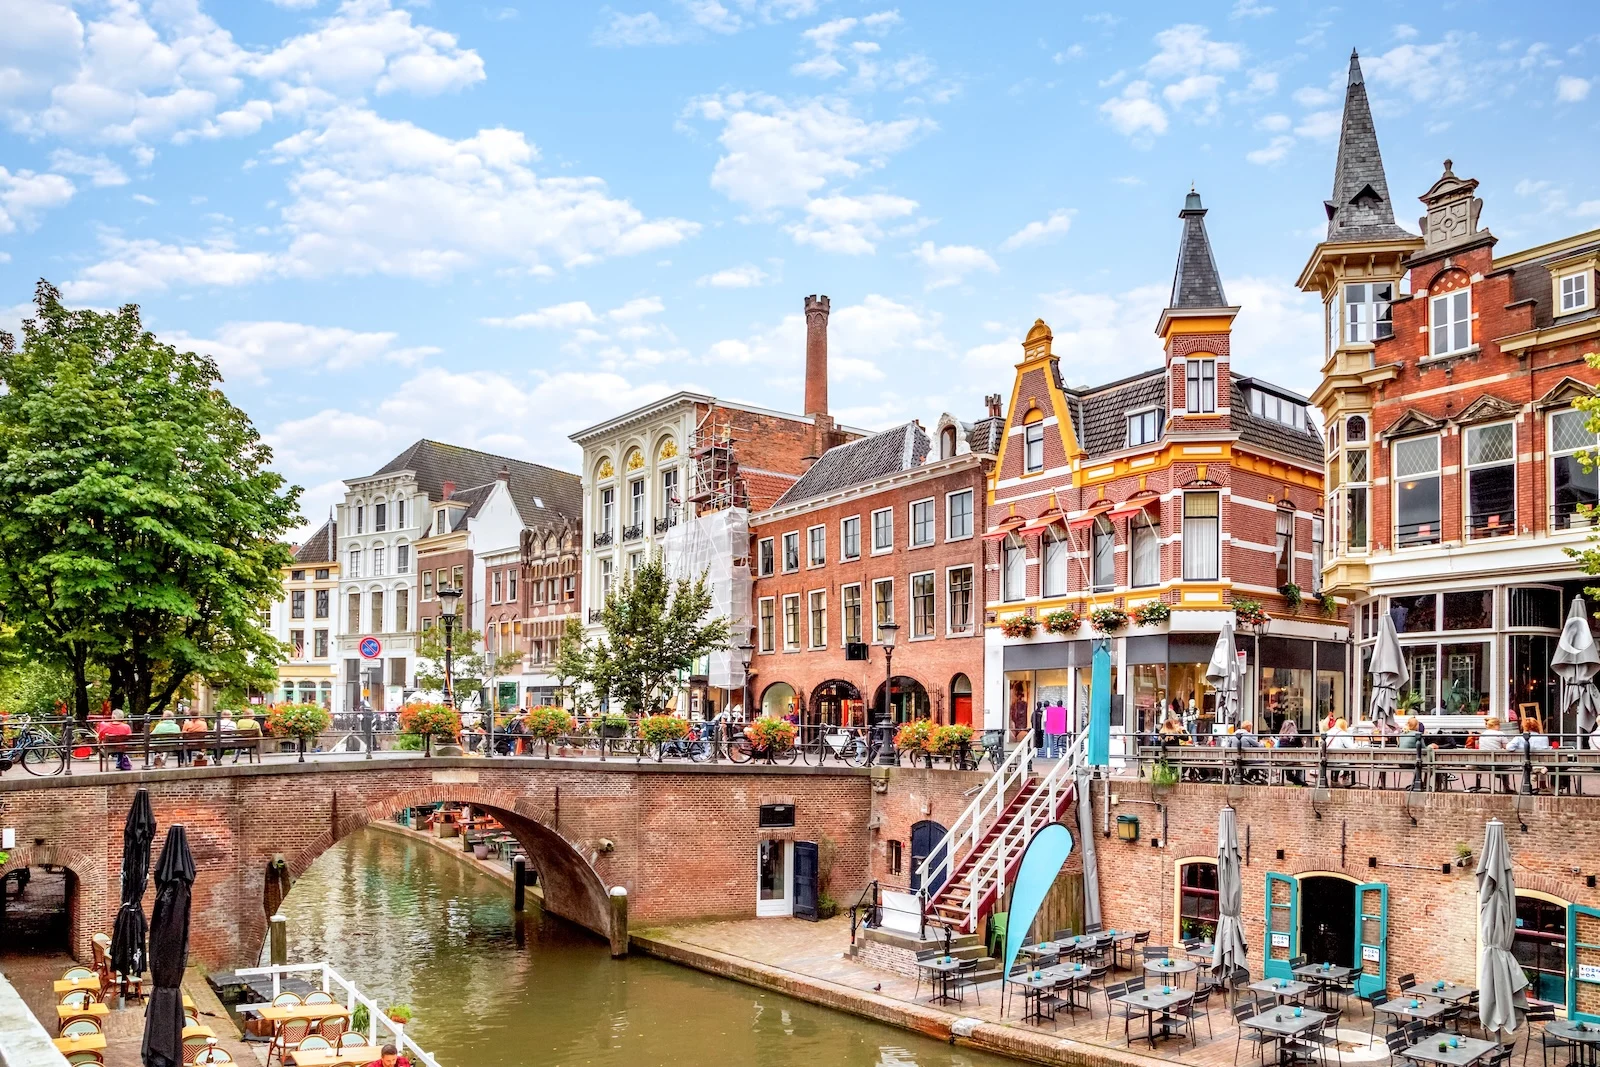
212,744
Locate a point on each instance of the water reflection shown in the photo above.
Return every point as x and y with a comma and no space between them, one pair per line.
411,925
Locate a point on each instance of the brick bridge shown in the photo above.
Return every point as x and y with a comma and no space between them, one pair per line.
682,838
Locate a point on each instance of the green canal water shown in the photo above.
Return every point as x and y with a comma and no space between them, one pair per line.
410,924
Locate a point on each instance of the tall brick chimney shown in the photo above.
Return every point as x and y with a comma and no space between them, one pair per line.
816,355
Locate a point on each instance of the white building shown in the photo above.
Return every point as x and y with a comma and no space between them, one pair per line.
306,621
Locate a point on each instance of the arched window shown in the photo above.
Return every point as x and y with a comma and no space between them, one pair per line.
947,442
402,558
1014,569
380,560
1197,899
1054,546
1355,429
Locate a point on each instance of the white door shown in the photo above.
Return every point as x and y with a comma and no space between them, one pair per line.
774,878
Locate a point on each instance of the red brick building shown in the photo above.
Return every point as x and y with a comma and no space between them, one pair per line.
1190,486
1455,473
881,530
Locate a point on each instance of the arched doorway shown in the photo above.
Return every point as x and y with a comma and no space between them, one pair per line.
961,700
927,839
836,703
1328,919
907,699
777,699
36,909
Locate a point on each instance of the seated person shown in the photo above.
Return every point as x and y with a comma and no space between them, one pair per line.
390,1057
114,733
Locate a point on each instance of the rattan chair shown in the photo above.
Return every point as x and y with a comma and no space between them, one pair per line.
313,1043
319,996
290,1033
212,1055
72,974
79,998
86,1058
334,1026
286,1000
352,1039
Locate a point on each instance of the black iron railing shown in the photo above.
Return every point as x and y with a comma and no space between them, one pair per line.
604,538
634,532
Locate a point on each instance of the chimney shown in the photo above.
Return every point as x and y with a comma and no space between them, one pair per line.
505,472
816,355
447,490
993,401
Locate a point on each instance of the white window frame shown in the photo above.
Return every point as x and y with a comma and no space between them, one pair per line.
1142,525
811,616
911,523
1585,281
1032,440
876,622
1288,547
911,605
819,559
889,546
1183,519
844,619
1053,575
1451,323
1102,527
608,509
1153,414
844,538
1365,327
638,501
766,550
1319,552
766,625
950,511
792,645
1008,594
494,587
1195,379
950,628
783,552
1552,453
1395,484
1468,468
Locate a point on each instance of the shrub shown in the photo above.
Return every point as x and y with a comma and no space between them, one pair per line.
299,721
947,740
1018,625
1064,621
613,720
1250,613
1164,774
658,729
1291,594
547,724
360,1019
1108,620
1152,613
430,720
913,736
399,1013
770,734
408,742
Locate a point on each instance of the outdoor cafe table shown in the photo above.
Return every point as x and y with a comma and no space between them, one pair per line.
275,1014
354,1055
1468,1050
1417,1008
198,1031
86,1043
942,967
1449,991
67,1011
1169,968
1036,983
1283,1023
1282,988
1323,976
1566,1030
1154,1002
69,985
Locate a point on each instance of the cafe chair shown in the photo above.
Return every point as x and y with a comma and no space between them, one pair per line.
1157,952
193,1047
313,1043
966,977
1405,982
923,957
1326,1036
72,974
1114,990
81,1027
1500,1058
78,998
286,1000
1259,1038
1062,935
1298,961
1397,1042
318,997
1051,1001
332,1027
351,1039
86,1058
1380,997
290,1033
212,1055
1199,1007
1543,1016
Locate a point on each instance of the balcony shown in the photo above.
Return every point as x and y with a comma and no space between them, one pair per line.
663,525
634,532
594,615
1411,534
603,539
1493,524
1571,515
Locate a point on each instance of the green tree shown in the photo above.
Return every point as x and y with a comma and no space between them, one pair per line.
1589,557
571,666
471,664
656,629
140,527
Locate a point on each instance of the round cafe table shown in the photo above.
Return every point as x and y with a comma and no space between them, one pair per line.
1169,968
1587,1039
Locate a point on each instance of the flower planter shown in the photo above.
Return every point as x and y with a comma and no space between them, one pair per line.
480,851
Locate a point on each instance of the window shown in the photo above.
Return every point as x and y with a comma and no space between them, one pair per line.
322,574
1013,569
427,623
1355,429
1575,481
1540,946
922,605
1144,427
1054,545
1451,322
921,523
397,671
850,613
896,851
1103,555
958,515
297,604
1200,386
438,521
1033,447
947,442
850,538
402,559
354,566
765,628
816,545
297,644
352,619
1491,480
608,510
1145,538
819,618
1202,544
607,576
511,586
400,514
791,551
1574,292
1197,901
1316,555
536,591
1333,322
320,644
444,581
669,494
1367,315
1283,549
1278,409
791,622
883,530
764,557
569,587
495,586
375,616
636,502
322,605
380,518
958,600
297,576
380,561
1356,475
402,610
882,605
361,515
635,561
1416,491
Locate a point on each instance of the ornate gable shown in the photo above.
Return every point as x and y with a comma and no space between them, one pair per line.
1412,423
1488,409
1564,393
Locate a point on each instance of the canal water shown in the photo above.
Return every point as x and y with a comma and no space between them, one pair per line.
409,924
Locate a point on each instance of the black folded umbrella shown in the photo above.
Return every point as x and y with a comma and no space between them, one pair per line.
128,934
169,953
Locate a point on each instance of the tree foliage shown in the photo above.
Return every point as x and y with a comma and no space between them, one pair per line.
141,530
471,664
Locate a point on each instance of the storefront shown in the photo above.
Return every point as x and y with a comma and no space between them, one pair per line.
836,703
1300,681
908,699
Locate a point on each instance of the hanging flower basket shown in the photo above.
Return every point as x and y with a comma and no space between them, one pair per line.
913,736
948,740
659,729
1291,594
1152,613
768,734
430,720
1108,620
1018,625
303,722
1250,613
1065,621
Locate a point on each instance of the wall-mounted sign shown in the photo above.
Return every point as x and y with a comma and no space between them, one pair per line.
1369,953
1280,940
1588,972
370,648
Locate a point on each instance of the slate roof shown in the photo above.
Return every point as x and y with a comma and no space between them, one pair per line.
474,499
320,547
1195,282
1360,209
985,434
882,454
1531,281
540,492
1270,433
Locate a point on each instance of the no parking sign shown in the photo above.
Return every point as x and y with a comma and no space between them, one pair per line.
370,648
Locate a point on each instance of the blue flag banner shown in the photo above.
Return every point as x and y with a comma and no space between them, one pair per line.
1100,705
1042,860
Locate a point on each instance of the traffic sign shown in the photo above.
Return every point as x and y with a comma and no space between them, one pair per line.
370,648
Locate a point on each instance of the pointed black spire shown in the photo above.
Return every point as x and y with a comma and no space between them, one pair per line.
1195,282
1360,209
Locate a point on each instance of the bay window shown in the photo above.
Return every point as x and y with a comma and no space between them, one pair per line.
1491,480
1357,475
1316,555
1145,546
1367,315
1202,532
1013,569
1416,491
1103,555
1451,322
1575,482
1200,386
1055,549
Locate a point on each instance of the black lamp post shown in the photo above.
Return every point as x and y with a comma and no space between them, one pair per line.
886,753
448,599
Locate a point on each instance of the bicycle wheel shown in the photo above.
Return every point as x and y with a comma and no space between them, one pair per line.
855,752
699,750
43,757
789,756
740,750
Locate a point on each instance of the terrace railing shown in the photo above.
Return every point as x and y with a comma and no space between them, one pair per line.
341,988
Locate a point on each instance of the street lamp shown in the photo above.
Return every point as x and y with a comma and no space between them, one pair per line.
886,753
448,598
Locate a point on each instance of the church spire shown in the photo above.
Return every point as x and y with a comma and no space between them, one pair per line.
1195,282
1360,209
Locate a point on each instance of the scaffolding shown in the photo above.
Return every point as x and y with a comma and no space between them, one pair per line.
717,483
717,546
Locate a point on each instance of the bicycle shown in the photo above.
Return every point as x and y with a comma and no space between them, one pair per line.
696,747
841,742
38,750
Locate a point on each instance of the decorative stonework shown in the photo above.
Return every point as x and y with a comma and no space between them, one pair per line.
1187,344
635,460
1488,409
669,449
606,469
1452,210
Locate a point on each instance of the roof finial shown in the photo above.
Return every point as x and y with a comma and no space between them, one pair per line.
1447,169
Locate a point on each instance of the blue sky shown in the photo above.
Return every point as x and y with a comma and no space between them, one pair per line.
497,223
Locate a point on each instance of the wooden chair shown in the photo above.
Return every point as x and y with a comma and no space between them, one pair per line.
85,1058
319,997
193,1047
286,1000
212,1055
313,1043
334,1027
72,974
84,1027
290,1033
352,1039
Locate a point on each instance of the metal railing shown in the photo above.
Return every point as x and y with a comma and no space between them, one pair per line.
634,532
352,998
1571,515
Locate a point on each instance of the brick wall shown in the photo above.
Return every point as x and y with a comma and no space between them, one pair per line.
910,795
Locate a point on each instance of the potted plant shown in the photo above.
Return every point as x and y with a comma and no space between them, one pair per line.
547,724
1250,613
1152,613
1018,625
300,722
1463,855
1163,776
1108,620
360,1019
613,724
769,736
398,1013
429,721
1063,621
662,730
913,737
1291,595
950,741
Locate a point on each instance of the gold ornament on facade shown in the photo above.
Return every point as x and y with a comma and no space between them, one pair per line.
635,460
606,469
669,449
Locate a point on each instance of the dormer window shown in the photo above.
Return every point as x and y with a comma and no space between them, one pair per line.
439,521
1200,386
1144,427
1278,408
947,442
1575,292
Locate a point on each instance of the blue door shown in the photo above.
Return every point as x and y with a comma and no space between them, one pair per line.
927,839
1372,937
1583,963
805,880
1282,925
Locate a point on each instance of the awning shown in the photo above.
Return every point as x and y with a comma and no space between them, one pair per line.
1004,530
1136,505
1045,521
1099,508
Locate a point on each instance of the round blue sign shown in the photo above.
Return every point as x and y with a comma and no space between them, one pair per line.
370,648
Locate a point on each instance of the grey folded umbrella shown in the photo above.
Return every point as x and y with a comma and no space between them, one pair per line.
1229,946
1502,985
1223,675
1576,662
1389,673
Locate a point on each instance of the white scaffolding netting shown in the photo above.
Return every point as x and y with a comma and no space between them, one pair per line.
718,546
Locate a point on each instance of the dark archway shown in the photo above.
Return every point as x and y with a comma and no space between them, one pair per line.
1328,920
36,907
908,699
836,703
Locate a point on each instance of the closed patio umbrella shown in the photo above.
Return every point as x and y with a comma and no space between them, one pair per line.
1576,662
1502,985
1224,675
128,933
1229,950
169,953
1389,673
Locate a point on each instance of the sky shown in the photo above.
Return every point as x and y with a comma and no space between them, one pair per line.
497,223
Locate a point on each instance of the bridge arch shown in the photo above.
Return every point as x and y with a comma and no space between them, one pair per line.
88,909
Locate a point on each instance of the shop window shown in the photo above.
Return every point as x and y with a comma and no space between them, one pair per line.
1146,550
1469,610
1540,946
1533,606
1013,573
1201,537
1283,549
1054,545
1019,701
1415,614
1150,704
1575,481
1449,679
1491,481
1197,901
1532,680
1416,473
1104,555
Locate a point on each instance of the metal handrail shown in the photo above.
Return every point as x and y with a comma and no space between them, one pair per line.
973,822
353,997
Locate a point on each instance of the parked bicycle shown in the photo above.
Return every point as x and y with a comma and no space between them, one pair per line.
842,743
38,749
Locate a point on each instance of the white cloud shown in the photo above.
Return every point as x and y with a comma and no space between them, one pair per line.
636,309
367,43
1250,9
148,201
838,44
1588,209
628,31
1196,87
24,196
744,276
131,267
1404,31
1320,125
98,169
1072,51
1134,114
1274,123
251,351
1430,73
1056,225
1570,90
1277,335
950,264
557,316
1310,96
700,17
849,225
1274,152
1187,48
